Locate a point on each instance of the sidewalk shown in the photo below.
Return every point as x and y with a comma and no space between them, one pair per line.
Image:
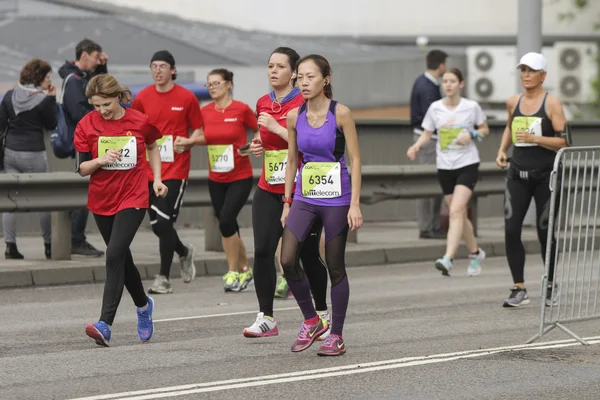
378,243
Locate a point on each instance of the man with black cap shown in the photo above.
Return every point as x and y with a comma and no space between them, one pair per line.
175,111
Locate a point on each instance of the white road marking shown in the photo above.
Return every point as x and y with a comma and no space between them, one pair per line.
214,386
221,315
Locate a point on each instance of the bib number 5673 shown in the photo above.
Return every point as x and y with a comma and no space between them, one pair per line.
277,166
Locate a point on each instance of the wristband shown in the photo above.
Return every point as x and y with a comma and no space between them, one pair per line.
476,135
287,200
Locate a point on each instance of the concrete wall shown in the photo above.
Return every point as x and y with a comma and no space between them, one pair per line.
373,17
382,142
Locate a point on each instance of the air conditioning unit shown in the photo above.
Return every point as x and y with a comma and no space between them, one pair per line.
577,66
491,75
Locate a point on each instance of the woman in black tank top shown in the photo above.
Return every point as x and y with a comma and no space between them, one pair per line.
536,129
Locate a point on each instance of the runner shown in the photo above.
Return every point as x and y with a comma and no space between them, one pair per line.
267,203
175,111
536,127
111,147
457,162
230,176
320,130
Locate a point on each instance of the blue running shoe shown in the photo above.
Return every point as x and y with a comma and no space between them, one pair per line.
145,324
100,332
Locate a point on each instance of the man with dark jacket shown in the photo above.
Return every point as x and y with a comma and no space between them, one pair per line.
89,61
425,91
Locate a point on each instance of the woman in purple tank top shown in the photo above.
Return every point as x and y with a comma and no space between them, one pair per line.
320,129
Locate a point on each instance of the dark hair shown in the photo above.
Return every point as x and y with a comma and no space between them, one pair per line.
34,72
223,73
456,72
435,58
292,56
323,65
88,46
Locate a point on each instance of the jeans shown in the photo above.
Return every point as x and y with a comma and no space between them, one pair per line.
78,223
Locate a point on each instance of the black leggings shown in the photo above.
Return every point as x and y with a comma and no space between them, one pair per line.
227,201
517,199
266,214
118,232
163,213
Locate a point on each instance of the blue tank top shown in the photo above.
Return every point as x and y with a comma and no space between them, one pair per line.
323,178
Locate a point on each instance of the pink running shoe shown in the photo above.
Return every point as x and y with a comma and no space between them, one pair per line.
308,334
332,346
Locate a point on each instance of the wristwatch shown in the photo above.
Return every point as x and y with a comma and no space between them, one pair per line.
287,200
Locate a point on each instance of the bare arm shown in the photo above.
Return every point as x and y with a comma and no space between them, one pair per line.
346,123
423,139
197,138
292,160
506,141
556,114
154,159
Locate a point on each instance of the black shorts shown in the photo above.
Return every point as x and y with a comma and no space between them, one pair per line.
466,176
167,207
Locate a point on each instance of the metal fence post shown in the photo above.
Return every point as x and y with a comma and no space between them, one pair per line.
61,235
212,234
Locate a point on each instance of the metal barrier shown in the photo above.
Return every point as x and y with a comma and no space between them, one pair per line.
61,192
573,224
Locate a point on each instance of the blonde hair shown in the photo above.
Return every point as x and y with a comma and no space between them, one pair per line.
106,85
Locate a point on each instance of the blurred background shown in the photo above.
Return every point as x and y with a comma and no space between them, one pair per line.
376,48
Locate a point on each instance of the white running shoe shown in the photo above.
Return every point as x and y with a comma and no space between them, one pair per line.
262,327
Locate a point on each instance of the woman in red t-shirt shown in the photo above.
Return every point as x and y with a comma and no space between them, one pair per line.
268,200
111,145
226,122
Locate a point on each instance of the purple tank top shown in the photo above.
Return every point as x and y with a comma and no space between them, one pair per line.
323,178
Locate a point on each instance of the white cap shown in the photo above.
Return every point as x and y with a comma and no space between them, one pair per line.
535,61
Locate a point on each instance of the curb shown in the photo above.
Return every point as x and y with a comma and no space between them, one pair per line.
217,266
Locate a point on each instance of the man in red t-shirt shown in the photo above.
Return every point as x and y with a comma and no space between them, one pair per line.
175,111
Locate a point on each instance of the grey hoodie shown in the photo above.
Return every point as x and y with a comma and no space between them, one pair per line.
26,97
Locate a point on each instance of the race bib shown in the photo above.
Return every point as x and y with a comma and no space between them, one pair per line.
447,138
321,180
127,145
165,148
275,164
532,125
220,158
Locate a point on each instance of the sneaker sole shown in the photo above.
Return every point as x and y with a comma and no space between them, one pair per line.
474,272
95,334
253,335
154,291
314,339
326,354
440,267
523,303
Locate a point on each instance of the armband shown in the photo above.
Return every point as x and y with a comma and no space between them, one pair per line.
80,158
566,134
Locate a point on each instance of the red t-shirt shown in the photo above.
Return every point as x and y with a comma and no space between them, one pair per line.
125,186
272,141
228,130
174,113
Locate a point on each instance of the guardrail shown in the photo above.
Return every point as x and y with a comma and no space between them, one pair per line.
62,192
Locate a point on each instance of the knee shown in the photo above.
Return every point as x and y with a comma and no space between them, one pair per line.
457,212
512,230
114,256
228,227
162,227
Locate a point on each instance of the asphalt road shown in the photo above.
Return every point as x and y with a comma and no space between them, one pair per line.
410,333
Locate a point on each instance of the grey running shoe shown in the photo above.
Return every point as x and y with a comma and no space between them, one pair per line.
161,285
552,295
444,265
188,269
518,297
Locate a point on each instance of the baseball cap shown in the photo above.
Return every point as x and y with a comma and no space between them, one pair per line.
535,61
